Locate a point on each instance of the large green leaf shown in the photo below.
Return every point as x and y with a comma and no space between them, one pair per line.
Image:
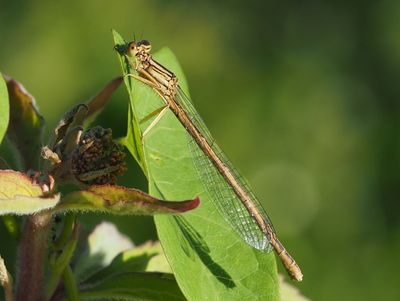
208,258
4,108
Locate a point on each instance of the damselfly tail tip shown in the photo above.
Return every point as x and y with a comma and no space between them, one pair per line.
288,262
296,273
299,277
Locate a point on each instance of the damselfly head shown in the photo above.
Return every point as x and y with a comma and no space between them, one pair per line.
141,47
132,49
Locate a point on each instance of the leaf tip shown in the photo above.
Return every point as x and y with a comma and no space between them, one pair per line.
192,204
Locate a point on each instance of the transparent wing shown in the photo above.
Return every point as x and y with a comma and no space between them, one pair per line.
224,197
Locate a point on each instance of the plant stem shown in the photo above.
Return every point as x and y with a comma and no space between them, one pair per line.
32,255
70,284
68,227
60,261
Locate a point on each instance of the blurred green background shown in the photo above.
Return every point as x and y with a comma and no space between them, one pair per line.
303,97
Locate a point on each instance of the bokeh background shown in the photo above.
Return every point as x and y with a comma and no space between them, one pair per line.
303,97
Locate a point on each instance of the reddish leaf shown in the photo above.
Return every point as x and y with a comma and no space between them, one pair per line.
97,103
26,124
121,200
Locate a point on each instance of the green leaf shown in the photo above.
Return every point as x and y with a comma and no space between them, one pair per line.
18,195
121,200
158,262
148,257
4,108
209,260
99,252
103,275
26,124
135,286
133,137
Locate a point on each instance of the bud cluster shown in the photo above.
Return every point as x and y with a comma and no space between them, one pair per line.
97,159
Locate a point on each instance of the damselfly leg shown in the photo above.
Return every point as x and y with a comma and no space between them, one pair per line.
155,121
160,112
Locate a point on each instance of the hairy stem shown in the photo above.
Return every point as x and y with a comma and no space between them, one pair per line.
32,256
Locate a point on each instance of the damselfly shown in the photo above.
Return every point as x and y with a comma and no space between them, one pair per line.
229,191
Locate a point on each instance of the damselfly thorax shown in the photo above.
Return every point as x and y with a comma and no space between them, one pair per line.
161,77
